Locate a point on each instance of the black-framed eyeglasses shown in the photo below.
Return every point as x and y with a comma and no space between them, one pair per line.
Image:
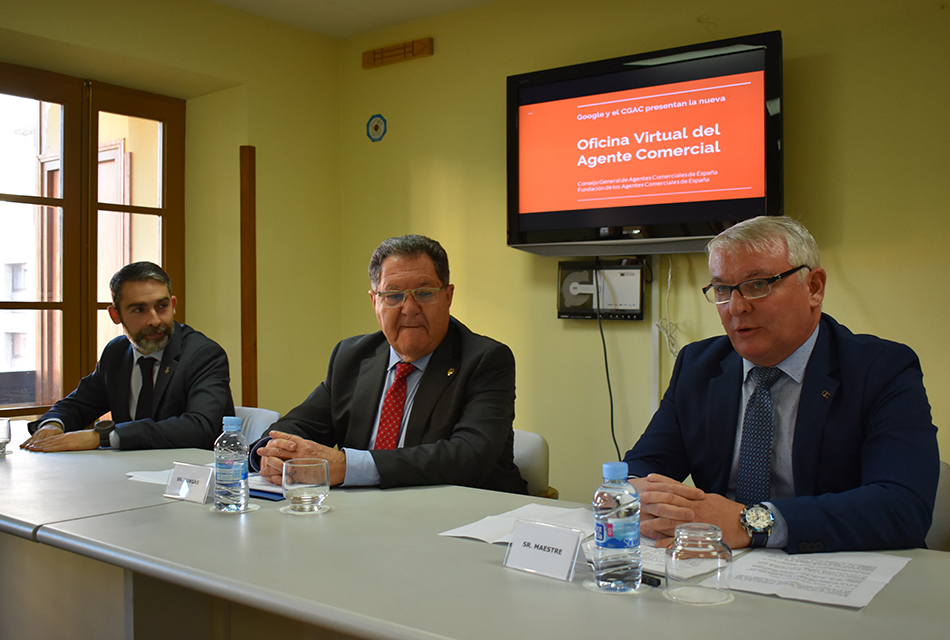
750,289
422,295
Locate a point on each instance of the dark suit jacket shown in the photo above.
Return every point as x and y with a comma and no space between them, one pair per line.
459,431
864,456
192,395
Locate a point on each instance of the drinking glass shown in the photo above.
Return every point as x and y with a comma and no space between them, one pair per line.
306,483
697,565
4,435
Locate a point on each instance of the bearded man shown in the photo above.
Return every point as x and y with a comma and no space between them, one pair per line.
166,385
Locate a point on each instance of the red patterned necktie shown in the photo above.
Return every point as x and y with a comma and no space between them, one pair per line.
387,436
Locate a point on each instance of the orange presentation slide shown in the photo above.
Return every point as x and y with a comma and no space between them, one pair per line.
696,140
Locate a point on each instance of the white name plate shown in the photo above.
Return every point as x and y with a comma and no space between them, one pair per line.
189,482
545,549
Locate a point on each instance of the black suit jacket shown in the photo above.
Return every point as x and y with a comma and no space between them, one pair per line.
192,395
864,455
459,431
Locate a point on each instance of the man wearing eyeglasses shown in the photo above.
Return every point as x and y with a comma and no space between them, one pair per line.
797,433
423,401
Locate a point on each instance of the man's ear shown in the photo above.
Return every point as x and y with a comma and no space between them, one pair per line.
114,314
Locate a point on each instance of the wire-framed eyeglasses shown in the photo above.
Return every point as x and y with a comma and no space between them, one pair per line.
422,295
750,289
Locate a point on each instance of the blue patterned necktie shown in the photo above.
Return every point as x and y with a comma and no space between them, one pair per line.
755,452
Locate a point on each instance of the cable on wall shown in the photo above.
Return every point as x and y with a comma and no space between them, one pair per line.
603,342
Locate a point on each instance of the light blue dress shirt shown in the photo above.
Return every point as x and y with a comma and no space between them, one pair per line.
786,393
360,467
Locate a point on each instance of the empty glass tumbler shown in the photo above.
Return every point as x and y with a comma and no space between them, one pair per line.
697,565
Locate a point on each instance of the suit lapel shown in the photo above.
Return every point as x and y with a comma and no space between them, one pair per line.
723,397
121,411
369,384
818,392
167,367
443,367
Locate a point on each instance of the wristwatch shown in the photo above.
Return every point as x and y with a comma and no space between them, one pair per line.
757,520
104,428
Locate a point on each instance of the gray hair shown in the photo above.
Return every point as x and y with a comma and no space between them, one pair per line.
777,235
136,272
411,245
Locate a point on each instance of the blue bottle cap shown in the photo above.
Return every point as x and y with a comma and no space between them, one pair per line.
232,423
616,471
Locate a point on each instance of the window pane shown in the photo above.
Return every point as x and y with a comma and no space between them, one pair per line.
125,238
105,330
130,160
31,258
30,135
31,357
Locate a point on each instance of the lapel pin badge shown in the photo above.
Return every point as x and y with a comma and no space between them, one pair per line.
166,369
825,394
450,372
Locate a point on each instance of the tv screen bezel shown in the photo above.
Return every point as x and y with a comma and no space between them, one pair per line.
629,230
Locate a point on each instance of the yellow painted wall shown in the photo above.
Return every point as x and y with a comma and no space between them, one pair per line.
866,152
866,141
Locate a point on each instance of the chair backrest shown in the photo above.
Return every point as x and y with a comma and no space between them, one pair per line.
939,535
254,421
531,456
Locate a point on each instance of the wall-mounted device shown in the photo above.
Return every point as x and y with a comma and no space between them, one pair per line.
613,290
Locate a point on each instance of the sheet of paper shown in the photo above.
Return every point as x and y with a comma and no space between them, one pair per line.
498,528
848,579
152,477
256,483
254,480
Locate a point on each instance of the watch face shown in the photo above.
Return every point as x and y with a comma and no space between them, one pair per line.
758,518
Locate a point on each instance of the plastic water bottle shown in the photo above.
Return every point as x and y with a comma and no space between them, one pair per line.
231,492
616,531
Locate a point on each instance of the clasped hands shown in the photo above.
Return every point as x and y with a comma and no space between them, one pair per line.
666,503
285,446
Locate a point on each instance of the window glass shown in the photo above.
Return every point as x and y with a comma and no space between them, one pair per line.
30,356
125,238
30,253
30,134
130,160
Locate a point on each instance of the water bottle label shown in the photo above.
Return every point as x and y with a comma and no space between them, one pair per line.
617,534
231,471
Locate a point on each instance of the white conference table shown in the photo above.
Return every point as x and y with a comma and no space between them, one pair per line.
375,567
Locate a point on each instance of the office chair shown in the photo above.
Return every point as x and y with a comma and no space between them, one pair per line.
531,456
255,421
939,535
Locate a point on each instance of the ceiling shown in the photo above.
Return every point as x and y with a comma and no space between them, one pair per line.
348,18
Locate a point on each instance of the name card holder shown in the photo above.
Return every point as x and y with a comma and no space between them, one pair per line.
189,482
544,549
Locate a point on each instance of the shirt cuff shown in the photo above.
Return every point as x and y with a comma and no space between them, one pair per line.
361,469
778,538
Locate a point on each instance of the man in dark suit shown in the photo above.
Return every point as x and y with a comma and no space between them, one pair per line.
848,456
179,402
446,419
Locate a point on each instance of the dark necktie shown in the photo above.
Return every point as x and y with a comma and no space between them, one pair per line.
390,418
753,481
144,407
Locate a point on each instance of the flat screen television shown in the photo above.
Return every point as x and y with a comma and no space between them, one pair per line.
648,153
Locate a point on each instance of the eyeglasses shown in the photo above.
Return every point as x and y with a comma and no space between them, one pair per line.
422,295
750,289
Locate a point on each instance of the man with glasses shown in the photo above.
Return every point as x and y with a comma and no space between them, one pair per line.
423,401
797,433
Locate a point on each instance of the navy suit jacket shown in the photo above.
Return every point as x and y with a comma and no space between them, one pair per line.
864,456
192,395
459,431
